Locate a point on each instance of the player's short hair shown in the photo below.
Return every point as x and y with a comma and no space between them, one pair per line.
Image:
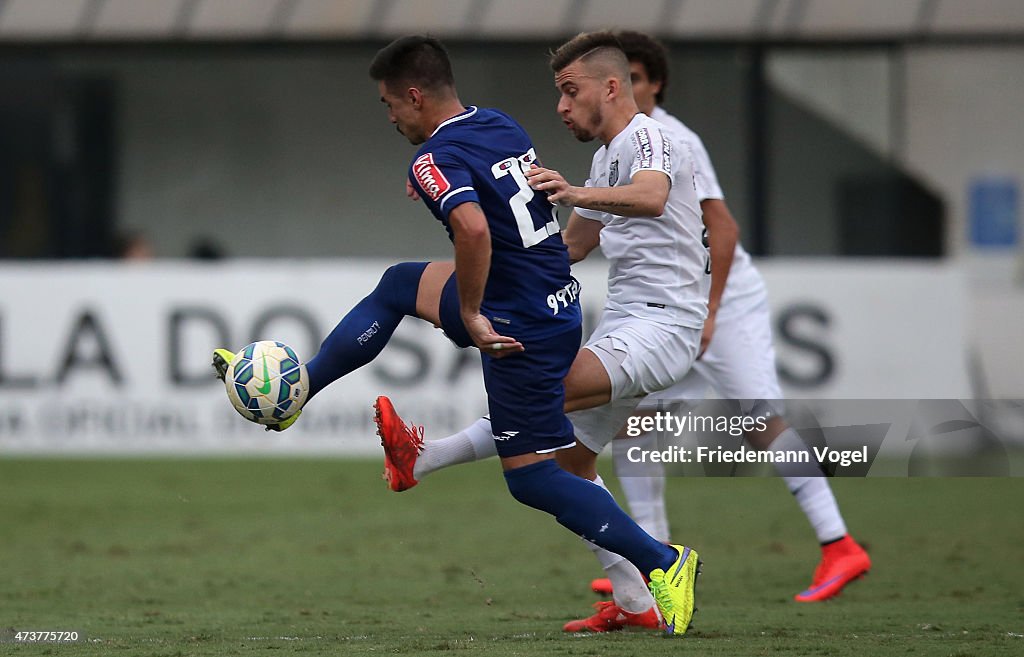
650,53
418,60
601,48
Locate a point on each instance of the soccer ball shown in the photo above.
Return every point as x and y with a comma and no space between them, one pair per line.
266,382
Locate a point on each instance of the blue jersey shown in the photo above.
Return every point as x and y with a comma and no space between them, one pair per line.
480,156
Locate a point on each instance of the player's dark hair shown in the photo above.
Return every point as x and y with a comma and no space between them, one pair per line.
650,53
583,46
418,60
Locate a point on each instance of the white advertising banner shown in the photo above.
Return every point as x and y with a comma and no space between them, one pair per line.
113,358
868,329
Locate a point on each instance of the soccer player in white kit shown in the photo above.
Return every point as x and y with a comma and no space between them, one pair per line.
738,361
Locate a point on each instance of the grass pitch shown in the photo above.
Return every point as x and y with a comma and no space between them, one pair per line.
283,557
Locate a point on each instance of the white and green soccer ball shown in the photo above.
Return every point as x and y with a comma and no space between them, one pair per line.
266,382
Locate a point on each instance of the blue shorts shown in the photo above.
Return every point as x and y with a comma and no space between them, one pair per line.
525,391
526,395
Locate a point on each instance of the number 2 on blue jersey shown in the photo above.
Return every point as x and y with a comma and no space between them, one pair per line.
515,166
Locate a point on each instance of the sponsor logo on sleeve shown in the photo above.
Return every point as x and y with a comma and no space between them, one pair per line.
429,176
666,152
644,149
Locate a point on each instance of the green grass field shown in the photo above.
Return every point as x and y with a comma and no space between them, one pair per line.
282,557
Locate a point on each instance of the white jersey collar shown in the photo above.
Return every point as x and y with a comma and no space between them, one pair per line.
639,116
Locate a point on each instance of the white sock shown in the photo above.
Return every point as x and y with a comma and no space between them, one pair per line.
643,484
813,494
474,443
630,591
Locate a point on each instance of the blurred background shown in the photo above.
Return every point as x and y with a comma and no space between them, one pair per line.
180,174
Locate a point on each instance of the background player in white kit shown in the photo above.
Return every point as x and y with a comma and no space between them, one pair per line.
738,361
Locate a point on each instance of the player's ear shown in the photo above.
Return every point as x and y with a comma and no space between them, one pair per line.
612,87
656,85
415,97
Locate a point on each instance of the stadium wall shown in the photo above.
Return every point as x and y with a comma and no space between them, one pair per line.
101,358
211,141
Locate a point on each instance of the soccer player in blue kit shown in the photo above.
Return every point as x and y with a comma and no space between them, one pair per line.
511,271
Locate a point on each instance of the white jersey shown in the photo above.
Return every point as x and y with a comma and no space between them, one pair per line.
744,282
656,265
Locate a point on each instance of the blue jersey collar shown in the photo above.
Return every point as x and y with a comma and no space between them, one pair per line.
470,111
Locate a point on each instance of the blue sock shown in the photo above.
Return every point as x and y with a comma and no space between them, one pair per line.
589,511
366,329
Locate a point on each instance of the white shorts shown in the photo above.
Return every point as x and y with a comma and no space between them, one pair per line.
739,363
596,427
640,356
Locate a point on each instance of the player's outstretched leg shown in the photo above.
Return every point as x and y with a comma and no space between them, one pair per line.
360,335
643,484
632,604
408,458
366,329
589,511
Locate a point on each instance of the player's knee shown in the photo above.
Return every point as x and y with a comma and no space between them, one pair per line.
578,460
402,275
529,484
523,491
398,285
771,427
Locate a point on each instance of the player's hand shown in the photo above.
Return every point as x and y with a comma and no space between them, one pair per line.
705,337
553,184
486,340
410,191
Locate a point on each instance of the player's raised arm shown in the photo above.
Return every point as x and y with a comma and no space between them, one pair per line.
644,196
